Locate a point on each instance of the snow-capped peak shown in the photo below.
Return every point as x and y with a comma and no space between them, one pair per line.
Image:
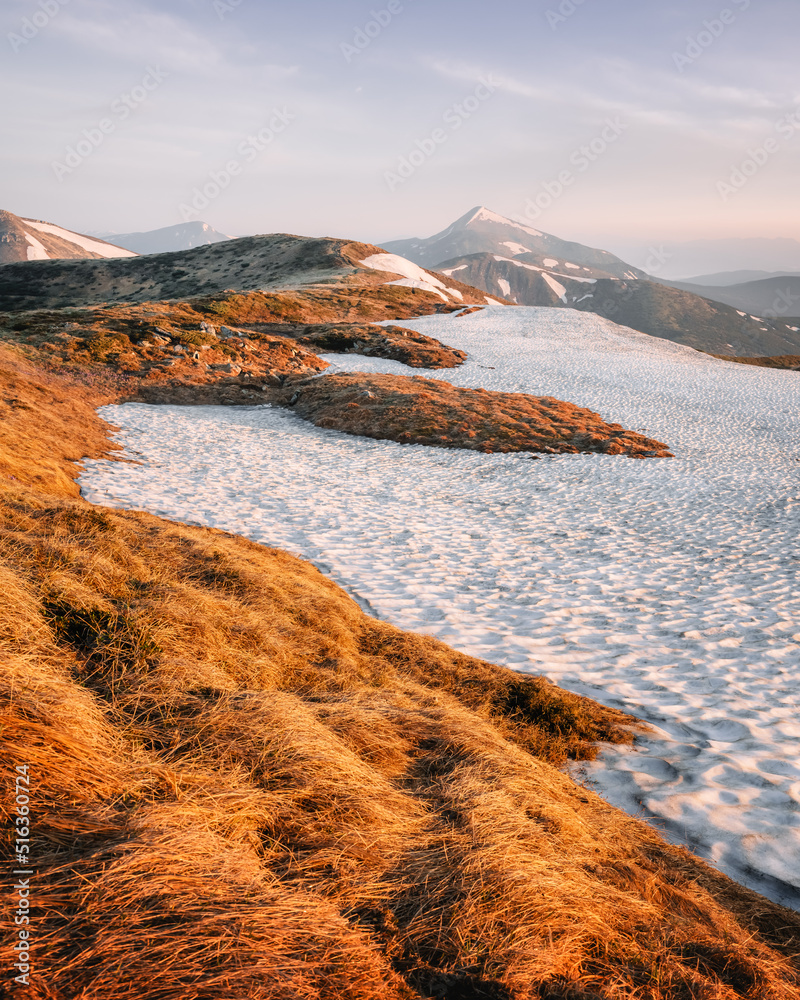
484,214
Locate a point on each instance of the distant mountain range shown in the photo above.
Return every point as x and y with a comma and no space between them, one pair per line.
185,236
31,239
682,260
778,296
722,279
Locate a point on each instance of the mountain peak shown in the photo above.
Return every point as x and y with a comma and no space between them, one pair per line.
482,231
483,214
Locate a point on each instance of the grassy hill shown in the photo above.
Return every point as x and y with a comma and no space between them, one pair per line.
246,789
257,263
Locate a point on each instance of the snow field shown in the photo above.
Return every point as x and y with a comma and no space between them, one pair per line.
666,587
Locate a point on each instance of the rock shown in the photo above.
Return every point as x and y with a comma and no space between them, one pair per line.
208,328
294,399
271,379
226,369
177,349
164,333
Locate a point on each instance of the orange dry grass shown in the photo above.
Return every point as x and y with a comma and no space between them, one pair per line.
790,361
394,342
47,425
347,303
245,788
428,411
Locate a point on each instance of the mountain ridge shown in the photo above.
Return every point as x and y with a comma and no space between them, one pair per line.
184,236
23,239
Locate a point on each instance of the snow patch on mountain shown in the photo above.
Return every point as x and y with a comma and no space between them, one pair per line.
414,276
36,251
557,287
84,242
516,248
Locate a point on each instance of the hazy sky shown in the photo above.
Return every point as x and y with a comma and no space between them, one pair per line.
298,117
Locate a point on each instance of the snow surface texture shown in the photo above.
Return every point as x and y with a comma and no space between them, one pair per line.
93,246
666,587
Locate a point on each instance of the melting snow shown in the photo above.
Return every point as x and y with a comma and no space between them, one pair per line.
516,248
36,251
557,287
550,262
505,288
666,587
414,276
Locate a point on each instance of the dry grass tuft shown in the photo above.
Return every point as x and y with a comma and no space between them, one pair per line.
245,789
431,412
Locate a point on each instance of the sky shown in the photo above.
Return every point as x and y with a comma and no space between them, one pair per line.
601,121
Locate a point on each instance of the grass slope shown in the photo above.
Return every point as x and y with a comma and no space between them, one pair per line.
245,789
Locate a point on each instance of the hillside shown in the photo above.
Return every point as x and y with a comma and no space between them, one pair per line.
690,319
33,240
265,263
246,789
483,231
521,282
